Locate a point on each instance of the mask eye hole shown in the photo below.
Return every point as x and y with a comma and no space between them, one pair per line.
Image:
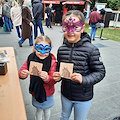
76,27
47,49
39,48
65,27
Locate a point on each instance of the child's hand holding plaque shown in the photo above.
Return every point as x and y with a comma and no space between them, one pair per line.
66,69
35,67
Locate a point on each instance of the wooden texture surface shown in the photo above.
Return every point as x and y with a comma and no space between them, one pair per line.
11,99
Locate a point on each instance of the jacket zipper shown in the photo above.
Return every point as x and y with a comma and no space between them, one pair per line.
71,53
70,60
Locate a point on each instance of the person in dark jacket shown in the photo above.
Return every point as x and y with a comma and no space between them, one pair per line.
88,69
102,15
38,16
6,8
58,16
49,11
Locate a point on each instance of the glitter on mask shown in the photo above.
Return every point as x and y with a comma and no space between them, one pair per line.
70,26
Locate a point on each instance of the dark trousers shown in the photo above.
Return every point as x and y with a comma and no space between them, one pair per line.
38,23
1,22
48,22
22,40
18,31
8,23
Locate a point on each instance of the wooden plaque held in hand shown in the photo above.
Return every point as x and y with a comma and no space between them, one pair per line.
66,69
35,67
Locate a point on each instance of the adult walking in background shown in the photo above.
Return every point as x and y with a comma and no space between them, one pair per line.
6,15
16,17
38,16
94,18
49,11
26,24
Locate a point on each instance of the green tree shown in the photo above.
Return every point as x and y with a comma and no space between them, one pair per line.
113,4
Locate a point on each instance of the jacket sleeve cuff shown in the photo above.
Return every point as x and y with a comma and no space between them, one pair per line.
47,80
84,81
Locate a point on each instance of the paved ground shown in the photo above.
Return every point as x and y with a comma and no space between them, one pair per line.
106,102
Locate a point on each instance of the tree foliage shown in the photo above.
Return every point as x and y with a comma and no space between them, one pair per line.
113,4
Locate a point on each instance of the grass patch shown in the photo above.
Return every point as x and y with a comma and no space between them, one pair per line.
112,34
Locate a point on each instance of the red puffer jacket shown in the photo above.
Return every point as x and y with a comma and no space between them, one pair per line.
49,86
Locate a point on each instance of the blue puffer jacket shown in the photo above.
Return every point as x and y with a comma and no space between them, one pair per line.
37,10
87,61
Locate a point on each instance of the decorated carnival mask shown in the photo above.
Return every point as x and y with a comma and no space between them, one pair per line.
70,26
43,49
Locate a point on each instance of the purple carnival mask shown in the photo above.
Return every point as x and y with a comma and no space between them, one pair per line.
70,26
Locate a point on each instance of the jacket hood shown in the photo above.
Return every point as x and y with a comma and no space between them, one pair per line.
84,38
37,1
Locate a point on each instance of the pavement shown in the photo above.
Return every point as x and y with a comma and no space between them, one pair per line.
106,101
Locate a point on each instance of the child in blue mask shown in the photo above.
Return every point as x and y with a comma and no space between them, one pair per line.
41,86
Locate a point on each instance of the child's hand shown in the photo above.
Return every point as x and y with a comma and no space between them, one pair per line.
24,74
56,76
76,77
43,75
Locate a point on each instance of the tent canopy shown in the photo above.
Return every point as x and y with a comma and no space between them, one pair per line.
53,2
77,2
74,2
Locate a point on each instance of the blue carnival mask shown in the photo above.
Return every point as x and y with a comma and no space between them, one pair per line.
43,49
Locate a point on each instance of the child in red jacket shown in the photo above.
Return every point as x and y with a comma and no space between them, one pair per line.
41,86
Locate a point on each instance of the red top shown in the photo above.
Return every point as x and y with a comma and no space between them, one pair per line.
64,11
94,17
49,86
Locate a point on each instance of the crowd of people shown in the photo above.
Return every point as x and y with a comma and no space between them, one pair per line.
12,14
88,68
25,17
5,17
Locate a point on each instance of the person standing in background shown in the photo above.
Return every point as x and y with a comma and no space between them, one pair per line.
102,15
26,24
49,11
16,17
58,16
6,15
37,17
64,9
94,18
